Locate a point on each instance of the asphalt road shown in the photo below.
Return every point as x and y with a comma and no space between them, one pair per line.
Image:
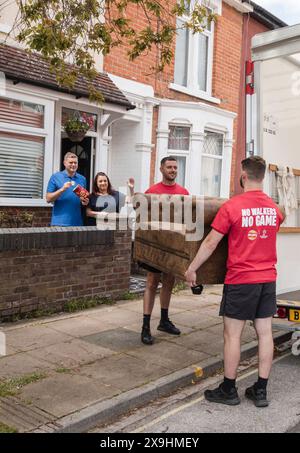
188,411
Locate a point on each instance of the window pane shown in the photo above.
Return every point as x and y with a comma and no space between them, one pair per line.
181,161
21,166
202,62
213,144
19,112
211,177
69,113
181,55
179,138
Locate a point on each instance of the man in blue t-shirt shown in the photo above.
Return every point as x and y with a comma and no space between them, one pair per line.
66,204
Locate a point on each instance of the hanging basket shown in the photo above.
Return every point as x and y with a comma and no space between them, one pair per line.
76,136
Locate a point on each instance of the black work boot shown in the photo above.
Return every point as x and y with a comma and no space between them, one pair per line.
258,396
146,336
219,395
168,326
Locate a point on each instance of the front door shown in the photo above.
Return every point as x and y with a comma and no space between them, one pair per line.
84,152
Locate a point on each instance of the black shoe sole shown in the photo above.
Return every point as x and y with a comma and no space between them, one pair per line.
257,403
164,330
147,342
233,402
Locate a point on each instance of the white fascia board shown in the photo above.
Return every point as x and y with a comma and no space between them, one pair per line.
141,90
54,95
242,7
276,36
196,106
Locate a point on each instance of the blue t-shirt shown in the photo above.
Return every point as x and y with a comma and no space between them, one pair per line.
67,208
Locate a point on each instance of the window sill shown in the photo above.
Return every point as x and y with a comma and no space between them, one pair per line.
289,230
23,202
195,93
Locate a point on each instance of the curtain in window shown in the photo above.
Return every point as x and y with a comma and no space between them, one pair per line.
20,112
21,166
202,61
181,55
179,138
211,177
211,164
181,161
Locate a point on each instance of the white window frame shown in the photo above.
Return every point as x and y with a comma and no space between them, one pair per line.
47,132
192,87
182,152
212,156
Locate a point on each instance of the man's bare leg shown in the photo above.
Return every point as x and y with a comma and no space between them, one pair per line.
168,281
233,329
263,329
150,292
226,393
258,392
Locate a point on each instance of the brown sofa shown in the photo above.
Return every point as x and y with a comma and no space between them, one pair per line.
171,245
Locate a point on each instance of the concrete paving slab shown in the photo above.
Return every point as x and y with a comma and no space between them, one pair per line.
137,307
201,341
72,392
169,355
33,337
18,365
124,371
192,319
119,339
71,354
116,316
80,326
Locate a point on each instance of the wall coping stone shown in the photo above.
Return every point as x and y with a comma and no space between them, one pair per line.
53,237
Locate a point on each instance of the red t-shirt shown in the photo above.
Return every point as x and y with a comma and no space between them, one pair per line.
164,189
251,221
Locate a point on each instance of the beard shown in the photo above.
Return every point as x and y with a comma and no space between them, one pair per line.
171,177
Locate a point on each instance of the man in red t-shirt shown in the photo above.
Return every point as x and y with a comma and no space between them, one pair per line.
168,185
251,221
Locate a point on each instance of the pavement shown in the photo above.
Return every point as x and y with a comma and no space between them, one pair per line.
69,372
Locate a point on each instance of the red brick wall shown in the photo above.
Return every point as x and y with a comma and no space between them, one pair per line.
250,28
48,278
226,68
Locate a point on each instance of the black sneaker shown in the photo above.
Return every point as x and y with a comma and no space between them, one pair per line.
218,395
258,396
168,326
146,336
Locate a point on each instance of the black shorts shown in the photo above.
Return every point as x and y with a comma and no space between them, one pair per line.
249,302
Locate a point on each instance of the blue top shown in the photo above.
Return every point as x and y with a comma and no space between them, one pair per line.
67,208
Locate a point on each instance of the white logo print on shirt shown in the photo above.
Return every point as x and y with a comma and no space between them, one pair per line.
264,235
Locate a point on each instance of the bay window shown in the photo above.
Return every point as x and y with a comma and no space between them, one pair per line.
26,149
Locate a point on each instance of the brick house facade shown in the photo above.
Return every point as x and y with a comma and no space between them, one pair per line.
208,118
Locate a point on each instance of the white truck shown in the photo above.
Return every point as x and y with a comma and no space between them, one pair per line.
273,131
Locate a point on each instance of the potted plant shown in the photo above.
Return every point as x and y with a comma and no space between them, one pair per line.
77,126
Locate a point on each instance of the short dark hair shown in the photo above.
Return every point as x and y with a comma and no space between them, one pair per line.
255,167
164,160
